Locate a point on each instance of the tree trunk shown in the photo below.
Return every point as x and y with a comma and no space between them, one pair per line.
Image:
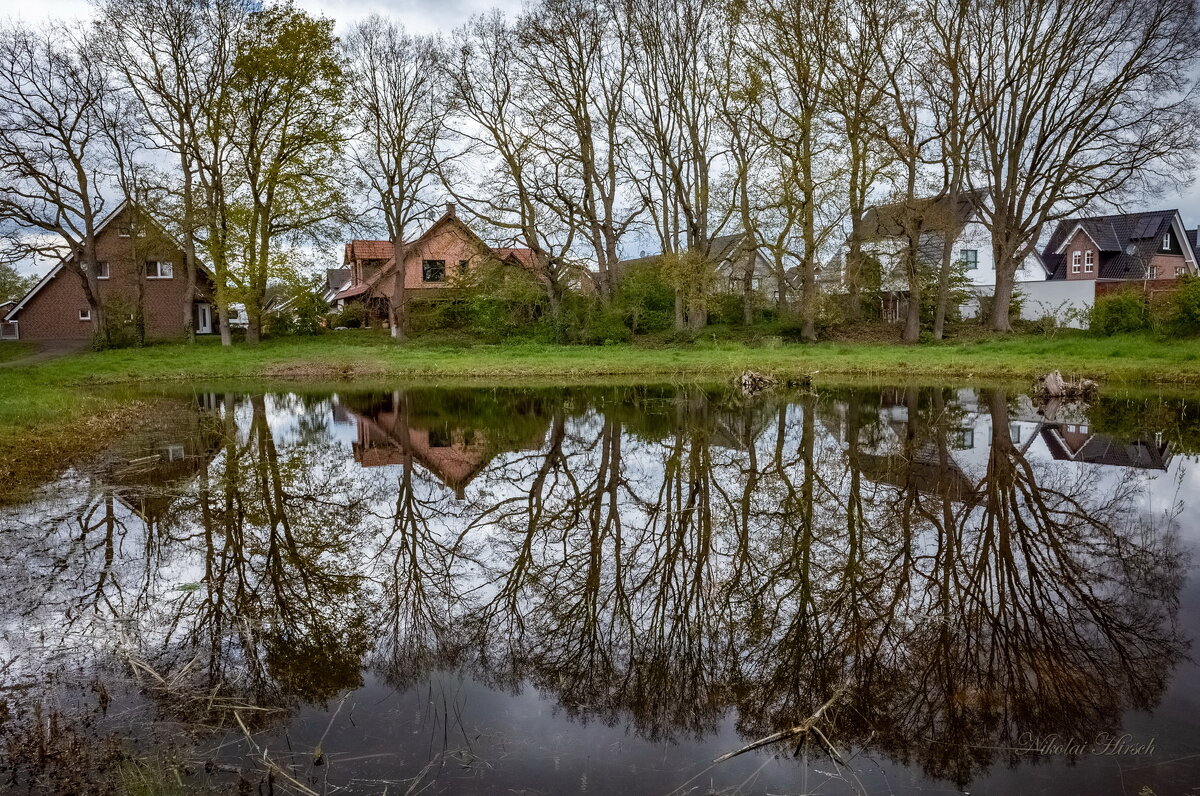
679,316
189,250
943,298
397,306
1002,299
223,325
748,294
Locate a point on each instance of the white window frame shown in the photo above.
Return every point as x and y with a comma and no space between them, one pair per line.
1180,270
1076,258
158,264
85,315
103,269
1166,242
1089,261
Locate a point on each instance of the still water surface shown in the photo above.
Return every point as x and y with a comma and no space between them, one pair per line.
602,590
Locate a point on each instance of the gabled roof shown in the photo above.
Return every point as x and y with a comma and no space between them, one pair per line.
932,214
45,280
368,250
525,256
1142,454
1126,242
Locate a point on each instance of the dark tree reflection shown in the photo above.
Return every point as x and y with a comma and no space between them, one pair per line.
660,557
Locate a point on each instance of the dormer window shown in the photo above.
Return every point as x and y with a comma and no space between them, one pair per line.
1089,261
1076,259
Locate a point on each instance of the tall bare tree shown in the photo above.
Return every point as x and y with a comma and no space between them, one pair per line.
397,120
500,134
1075,101
53,152
577,66
172,56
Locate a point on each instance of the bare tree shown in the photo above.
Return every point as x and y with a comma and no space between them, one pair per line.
578,67
676,76
486,79
53,151
172,56
397,119
1075,100
795,74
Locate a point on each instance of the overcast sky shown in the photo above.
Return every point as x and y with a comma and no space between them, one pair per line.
429,16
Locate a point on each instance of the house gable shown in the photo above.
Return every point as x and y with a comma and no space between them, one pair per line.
57,308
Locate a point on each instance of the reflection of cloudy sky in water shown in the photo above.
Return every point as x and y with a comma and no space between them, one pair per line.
703,440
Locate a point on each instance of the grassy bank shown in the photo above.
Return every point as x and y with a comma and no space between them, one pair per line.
348,355
54,411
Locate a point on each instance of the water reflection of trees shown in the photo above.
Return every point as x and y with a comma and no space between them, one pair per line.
656,555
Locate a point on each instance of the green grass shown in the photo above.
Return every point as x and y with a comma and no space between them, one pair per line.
54,411
11,349
346,355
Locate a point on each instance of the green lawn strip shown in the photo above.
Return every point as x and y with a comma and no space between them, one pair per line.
353,355
12,349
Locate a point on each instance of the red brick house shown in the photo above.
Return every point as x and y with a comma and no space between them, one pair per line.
430,263
133,254
1152,248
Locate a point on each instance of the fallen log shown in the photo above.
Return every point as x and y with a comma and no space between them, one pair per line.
801,729
1053,386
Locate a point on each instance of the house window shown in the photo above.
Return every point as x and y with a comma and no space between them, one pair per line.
433,270
159,270
85,315
1153,272
1076,256
969,258
1180,270
440,437
1089,261
102,271
127,231
1166,243
462,267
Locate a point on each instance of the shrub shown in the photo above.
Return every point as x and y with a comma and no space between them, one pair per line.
1123,311
644,299
1177,314
352,316
501,301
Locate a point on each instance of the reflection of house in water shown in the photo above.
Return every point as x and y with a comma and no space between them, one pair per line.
146,469
455,448
925,472
1075,442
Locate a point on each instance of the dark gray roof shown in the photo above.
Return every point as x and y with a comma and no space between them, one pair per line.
335,278
1126,242
1143,454
930,214
720,249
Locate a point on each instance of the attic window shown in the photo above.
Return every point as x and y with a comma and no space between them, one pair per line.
1166,241
433,270
128,230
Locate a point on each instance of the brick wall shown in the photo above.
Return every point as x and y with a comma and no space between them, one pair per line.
53,312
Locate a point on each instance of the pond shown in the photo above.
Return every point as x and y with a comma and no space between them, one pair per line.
603,590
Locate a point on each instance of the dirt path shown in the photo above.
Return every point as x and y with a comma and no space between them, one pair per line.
49,349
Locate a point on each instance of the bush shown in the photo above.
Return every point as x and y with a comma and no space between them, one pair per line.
502,301
644,299
1123,311
352,316
1177,314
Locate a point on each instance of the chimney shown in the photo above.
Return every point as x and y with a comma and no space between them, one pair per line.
450,209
